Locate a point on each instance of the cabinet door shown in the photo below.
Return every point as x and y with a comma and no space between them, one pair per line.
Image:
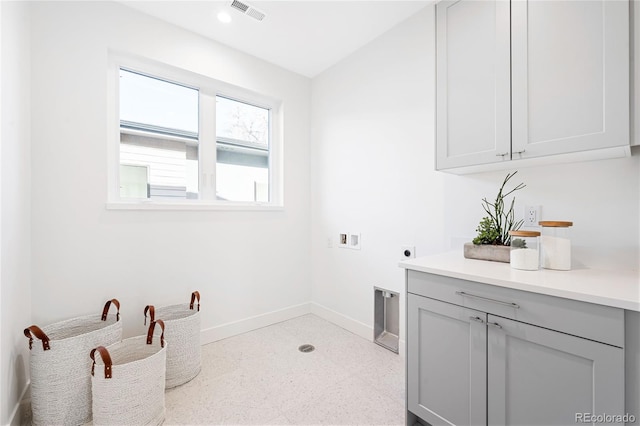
538,376
570,76
446,362
473,83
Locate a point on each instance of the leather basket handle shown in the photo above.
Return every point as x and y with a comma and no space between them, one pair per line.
150,332
195,295
107,305
34,330
106,358
152,313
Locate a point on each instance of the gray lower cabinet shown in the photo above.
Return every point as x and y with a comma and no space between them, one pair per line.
537,376
468,366
447,361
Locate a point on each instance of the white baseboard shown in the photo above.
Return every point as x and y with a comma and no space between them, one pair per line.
16,417
356,327
348,323
230,329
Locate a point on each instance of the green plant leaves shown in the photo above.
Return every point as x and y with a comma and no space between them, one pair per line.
487,232
494,228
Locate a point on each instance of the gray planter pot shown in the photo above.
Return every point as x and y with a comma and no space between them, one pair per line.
487,252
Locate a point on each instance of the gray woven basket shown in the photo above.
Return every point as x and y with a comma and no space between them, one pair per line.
183,334
127,381
60,380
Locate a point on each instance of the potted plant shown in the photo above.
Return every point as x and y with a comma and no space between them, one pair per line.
493,239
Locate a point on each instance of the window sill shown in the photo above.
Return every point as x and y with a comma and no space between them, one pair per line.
191,206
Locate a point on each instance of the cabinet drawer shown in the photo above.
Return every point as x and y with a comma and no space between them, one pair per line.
596,322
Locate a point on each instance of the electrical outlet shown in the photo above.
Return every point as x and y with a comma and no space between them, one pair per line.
531,215
408,252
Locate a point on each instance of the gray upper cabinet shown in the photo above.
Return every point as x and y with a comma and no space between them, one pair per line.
570,76
518,80
473,84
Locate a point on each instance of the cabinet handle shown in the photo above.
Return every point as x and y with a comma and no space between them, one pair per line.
509,304
477,319
494,324
502,155
520,152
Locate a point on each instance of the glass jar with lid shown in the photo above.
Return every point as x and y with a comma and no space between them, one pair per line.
525,253
555,244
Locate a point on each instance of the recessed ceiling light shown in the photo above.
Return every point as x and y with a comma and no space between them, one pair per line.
224,17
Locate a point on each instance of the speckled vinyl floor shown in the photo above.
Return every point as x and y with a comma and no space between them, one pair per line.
260,378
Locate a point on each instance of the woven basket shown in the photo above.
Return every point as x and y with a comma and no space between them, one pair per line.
60,380
127,381
183,334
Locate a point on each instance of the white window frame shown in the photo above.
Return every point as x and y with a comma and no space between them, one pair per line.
208,89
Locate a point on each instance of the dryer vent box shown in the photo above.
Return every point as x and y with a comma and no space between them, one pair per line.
386,321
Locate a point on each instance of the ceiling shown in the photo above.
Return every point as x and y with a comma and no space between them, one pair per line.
303,36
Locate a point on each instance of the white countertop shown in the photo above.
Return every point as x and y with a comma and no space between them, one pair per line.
617,288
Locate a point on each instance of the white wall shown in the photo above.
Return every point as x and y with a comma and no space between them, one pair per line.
15,229
373,172
245,264
372,155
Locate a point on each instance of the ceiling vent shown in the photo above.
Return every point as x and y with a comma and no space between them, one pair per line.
247,10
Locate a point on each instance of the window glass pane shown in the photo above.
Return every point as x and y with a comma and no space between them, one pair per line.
241,121
242,168
153,167
242,183
158,138
156,103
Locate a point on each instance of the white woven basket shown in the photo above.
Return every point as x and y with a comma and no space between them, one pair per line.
60,380
183,333
127,381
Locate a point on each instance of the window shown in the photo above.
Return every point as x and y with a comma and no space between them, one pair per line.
158,138
187,139
242,135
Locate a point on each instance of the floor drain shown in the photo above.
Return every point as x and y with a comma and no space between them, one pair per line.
306,348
